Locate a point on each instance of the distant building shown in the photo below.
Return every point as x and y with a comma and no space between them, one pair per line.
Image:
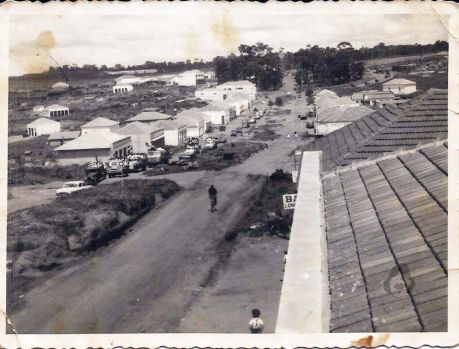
335,117
400,86
60,86
58,138
218,113
103,145
244,86
100,125
122,88
211,94
370,97
128,80
189,78
143,135
42,126
175,132
239,101
196,121
37,109
55,111
149,117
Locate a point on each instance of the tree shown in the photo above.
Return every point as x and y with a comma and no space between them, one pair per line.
279,102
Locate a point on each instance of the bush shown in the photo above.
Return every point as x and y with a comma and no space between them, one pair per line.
279,101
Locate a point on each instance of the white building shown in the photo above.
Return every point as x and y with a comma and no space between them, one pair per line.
142,134
218,113
103,145
400,86
128,80
211,94
37,109
55,111
239,101
335,117
244,86
60,86
189,78
100,125
149,117
196,121
122,88
42,126
175,132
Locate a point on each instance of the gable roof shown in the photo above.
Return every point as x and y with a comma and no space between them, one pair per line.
171,124
92,140
137,127
386,220
421,121
342,113
63,135
56,106
191,116
399,82
237,83
149,116
42,121
100,122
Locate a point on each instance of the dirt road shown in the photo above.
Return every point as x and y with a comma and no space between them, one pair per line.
147,282
156,279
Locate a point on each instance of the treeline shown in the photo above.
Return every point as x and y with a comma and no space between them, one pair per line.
257,63
162,67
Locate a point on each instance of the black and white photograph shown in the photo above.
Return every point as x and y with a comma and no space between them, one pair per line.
226,169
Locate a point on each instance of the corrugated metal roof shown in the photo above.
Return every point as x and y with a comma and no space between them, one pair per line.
171,124
342,113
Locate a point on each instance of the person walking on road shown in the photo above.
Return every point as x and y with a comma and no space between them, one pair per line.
213,198
256,324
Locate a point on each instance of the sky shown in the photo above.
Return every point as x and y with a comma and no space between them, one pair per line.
39,41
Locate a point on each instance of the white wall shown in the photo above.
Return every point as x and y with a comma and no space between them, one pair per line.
70,157
40,130
105,129
249,90
175,137
217,117
400,90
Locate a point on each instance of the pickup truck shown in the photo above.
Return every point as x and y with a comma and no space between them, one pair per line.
71,187
210,143
137,162
118,167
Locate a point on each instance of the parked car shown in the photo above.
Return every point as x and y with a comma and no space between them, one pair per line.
233,134
71,187
239,130
117,167
252,121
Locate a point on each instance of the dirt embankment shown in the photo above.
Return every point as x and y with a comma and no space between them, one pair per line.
64,231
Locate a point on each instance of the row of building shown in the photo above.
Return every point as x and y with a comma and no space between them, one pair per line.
106,138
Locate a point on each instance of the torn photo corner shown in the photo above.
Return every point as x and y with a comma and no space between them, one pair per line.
233,175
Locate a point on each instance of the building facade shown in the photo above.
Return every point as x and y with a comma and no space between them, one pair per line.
100,125
43,126
400,86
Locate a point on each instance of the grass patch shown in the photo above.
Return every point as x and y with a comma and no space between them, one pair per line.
31,175
44,237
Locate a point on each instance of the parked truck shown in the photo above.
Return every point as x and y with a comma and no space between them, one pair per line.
118,167
137,162
95,172
157,156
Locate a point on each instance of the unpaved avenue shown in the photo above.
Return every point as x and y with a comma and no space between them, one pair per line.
147,281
